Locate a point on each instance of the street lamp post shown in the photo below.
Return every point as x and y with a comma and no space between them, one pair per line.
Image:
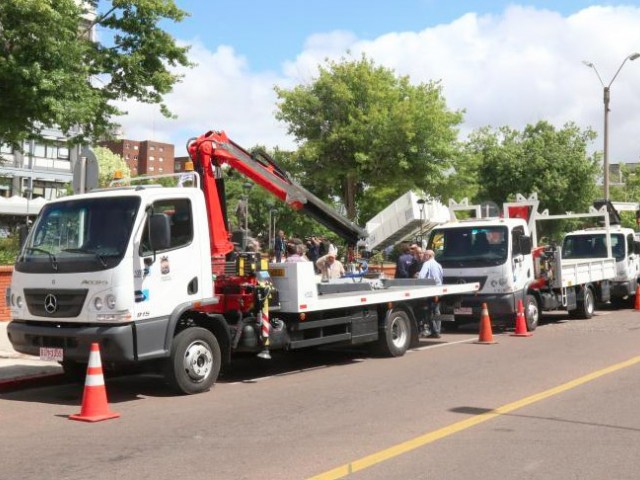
246,186
272,225
607,98
421,203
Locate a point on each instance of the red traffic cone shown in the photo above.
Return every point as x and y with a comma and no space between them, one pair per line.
637,302
94,399
486,335
521,323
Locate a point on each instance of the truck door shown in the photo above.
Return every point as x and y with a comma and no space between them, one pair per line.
520,261
164,279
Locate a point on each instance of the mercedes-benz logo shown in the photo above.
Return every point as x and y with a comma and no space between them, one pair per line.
50,303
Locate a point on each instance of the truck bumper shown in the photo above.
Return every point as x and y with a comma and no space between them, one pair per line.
501,307
621,289
118,343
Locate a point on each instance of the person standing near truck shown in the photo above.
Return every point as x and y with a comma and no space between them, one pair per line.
279,245
433,270
404,263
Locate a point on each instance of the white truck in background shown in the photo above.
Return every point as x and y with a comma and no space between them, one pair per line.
502,255
621,243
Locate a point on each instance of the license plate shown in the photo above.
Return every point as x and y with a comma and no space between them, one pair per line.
463,311
51,354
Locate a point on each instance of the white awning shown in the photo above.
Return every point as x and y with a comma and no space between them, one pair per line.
17,205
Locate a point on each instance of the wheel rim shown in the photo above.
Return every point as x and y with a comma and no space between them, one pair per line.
589,304
399,332
198,361
532,313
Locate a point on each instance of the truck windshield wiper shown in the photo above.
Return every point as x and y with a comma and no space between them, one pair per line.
102,260
52,257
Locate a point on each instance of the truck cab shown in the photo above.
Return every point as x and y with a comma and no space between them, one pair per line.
591,243
496,252
94,264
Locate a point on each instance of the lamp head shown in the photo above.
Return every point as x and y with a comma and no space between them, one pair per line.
634,55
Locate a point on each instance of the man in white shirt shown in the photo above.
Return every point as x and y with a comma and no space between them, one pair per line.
432,269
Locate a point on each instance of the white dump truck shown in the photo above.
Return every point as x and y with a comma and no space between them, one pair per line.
501,253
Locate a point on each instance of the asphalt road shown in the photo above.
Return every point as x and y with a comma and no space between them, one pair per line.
560,404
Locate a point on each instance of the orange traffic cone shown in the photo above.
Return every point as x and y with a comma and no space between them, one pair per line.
637,303
486,335
521,323
94,399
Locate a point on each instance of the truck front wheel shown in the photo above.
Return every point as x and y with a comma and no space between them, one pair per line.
395,339
194,364
531,313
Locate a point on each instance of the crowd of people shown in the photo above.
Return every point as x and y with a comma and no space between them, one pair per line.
318,250
414,262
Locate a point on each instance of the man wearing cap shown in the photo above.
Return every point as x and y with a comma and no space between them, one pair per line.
329,266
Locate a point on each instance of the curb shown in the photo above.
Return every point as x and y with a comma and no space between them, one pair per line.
31,381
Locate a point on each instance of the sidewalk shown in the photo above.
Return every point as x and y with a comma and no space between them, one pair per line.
18,370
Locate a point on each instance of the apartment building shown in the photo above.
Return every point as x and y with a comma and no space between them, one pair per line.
145,157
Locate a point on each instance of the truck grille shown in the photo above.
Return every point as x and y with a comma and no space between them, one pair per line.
450,280
55,303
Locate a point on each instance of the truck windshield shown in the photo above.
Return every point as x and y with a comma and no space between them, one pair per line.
466,247
592,245
79,235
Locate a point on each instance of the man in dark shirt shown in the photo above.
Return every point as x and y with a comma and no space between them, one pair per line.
404,262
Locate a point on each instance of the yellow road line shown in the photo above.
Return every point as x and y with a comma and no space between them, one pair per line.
409,445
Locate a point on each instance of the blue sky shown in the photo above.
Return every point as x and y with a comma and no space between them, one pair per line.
503,63
269,32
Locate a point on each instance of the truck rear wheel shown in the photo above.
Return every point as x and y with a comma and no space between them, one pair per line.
194,364
396,337
587,305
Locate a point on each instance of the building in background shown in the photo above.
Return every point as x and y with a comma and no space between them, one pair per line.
41,169
146,157
44,168
178,163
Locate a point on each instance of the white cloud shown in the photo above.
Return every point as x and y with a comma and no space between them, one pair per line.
515,68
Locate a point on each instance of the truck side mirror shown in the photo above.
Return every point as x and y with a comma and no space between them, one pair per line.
159,231
23,233
525,245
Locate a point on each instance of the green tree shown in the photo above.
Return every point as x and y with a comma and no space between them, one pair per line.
367,136
554,163
108,164
52,74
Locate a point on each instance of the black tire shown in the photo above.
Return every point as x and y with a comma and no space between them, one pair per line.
531,312
75,372
194,363
587,305
394,341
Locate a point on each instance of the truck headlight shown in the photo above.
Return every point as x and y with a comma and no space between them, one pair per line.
111,301
19,301
98,303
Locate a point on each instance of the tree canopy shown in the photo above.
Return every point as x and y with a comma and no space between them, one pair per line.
367,136
108,164
52,74
554,163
